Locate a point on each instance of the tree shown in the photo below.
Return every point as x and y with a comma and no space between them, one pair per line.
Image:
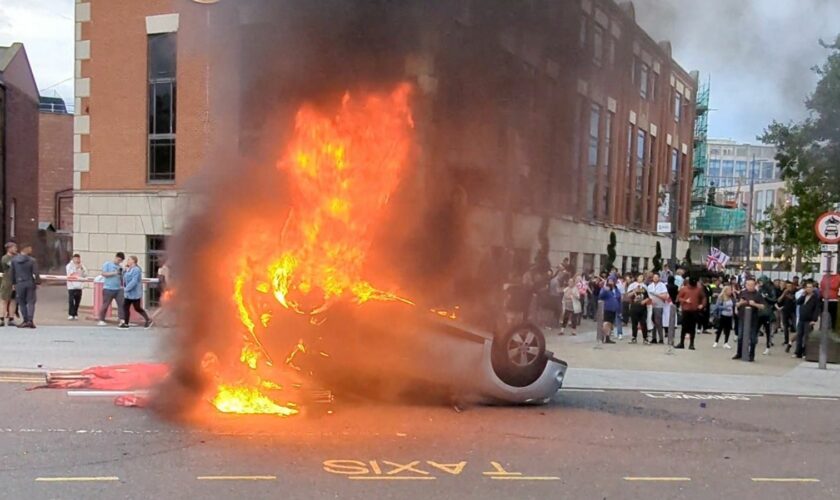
611,255
809,157
657,258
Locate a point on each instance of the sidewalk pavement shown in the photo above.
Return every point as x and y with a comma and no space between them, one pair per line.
627,366
75,347
621,366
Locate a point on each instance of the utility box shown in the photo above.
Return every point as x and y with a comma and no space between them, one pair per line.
812,347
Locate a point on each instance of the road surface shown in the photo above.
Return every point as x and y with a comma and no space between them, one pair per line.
588,444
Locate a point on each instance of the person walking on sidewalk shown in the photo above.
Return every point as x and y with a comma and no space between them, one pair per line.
134,292
787,309
726,313
7,292
571,307
637,296
809,314
750,298
75,270
659,297
112,289
24,271
612,304
692,299
767,315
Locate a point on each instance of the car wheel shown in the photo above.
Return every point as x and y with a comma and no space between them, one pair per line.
519,355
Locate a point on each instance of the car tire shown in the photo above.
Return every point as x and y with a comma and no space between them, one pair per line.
519,355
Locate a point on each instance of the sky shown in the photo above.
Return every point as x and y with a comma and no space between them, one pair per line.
757,54
47,30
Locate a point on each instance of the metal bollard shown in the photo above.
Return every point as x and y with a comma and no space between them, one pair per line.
672,327
746,333
825,326
599,325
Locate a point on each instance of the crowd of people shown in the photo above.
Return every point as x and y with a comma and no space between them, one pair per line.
121,278
717,305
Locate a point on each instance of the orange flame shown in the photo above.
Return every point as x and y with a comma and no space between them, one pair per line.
342,169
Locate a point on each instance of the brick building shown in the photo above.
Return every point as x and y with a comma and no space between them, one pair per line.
55,165
18,146
573,120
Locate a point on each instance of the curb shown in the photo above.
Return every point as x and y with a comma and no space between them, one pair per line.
23,375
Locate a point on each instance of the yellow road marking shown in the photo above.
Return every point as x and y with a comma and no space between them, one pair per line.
236,478
631,478
526,478
26,380
76,479
785,480
392,478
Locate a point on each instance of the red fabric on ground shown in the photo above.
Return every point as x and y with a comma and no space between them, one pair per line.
129,377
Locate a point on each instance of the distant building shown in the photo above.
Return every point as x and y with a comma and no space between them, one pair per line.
18,146
722,202
55,165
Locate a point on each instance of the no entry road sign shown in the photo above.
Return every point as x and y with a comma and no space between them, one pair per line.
827,227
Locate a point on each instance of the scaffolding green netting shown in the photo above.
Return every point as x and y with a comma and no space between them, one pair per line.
721,219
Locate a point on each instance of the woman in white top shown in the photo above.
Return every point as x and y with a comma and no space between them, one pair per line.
75,270
571,307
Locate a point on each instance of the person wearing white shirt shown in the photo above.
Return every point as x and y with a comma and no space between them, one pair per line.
75,270
658,293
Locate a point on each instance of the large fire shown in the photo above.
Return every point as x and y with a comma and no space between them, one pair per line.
342,168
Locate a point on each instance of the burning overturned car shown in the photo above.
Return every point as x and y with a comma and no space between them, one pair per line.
299,314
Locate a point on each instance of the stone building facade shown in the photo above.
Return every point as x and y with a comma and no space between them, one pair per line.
574,121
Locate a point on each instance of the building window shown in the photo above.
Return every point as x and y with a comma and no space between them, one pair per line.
607,161
675,164
644,76
597,44
740,169
677,106
641,143
584,25
647,263
611,51
592,155
12,218
755,245
624,264
654,85
728,170
155,257
768,170
714,169
634,265
162,110
588,262
628,176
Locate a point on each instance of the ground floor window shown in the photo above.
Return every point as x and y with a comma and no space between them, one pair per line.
155,257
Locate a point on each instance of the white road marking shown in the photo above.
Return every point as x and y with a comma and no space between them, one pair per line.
785,480
392,478
236,478
76,479
526,478
663,479
582,390
819,398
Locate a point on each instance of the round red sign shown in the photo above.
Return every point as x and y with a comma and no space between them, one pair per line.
827,227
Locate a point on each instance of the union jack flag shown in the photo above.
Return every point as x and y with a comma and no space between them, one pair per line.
717,260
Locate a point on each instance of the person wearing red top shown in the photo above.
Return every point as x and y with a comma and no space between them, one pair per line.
692,299
829,287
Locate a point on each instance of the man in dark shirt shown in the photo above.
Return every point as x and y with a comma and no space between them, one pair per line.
24,272
809,313
787,307
751,300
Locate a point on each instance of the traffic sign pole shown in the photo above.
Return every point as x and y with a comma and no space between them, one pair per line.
827,228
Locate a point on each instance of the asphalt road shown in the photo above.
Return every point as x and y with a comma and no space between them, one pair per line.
586,445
